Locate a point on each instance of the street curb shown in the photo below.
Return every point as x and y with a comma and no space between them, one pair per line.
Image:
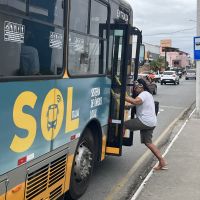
127,186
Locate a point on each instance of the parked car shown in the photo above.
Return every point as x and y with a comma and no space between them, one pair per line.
157,77
169,77
147,73
178,70
190,74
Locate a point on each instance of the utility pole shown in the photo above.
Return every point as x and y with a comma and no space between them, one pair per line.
198,66
165,59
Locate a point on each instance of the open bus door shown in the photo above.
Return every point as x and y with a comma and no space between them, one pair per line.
120,56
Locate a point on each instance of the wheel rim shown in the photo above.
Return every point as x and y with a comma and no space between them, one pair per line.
83,163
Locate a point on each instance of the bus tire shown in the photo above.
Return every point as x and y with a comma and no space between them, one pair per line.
82,166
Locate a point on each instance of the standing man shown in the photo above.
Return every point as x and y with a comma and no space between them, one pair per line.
145,120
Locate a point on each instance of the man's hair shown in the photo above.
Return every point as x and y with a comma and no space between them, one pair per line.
144,84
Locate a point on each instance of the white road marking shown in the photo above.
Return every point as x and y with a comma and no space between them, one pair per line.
172,107
165,153
160,110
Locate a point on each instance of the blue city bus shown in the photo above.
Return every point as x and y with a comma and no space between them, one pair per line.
61,63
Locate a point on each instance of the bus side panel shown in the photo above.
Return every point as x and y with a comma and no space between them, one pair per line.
86,98
2,197
52,169
29,124
21,111
2,189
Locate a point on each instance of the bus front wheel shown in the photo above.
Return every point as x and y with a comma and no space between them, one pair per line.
82,166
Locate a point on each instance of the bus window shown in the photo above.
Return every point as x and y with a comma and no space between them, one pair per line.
50,11
99,15
37,49
79,22
84,55
18,6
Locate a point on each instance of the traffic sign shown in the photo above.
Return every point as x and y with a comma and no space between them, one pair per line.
197,48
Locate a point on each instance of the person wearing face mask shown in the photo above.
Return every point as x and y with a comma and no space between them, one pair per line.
145,120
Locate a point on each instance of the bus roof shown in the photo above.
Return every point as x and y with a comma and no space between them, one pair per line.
124,3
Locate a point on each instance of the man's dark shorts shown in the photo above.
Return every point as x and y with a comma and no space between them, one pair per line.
146,132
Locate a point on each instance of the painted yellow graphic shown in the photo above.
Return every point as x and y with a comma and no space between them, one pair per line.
52,114
71,124
24,121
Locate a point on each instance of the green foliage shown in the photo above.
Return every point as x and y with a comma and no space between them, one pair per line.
158,64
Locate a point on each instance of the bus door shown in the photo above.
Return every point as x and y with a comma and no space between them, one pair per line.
119,57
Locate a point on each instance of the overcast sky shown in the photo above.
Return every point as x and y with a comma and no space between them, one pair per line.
166,19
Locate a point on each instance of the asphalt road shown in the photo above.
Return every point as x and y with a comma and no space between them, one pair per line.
173,99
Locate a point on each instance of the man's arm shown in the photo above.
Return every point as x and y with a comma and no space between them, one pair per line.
136,101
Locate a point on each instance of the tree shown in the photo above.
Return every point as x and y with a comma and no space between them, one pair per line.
158,64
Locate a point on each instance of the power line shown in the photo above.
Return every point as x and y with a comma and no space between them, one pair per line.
169,33
188,36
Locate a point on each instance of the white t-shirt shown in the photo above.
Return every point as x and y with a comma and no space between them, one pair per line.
146,111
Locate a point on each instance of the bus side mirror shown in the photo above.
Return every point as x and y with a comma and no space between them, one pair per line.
142,54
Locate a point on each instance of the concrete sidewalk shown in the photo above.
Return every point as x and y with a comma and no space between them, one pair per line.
182,179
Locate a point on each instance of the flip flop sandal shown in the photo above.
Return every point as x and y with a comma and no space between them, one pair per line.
161,168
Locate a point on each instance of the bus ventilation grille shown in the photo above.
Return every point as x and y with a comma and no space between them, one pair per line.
56,193
45,177
57,170
37,182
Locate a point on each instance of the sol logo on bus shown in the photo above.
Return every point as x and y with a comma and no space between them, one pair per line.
52,115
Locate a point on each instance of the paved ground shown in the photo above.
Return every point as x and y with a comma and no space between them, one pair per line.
182,179
114,171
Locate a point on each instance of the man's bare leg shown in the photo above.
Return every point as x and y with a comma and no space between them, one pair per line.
158,155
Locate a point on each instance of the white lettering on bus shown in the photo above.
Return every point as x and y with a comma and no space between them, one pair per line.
95,92
75,114
93,113
122,15
96,102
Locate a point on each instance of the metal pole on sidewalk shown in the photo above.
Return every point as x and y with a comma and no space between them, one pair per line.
165,59
198,66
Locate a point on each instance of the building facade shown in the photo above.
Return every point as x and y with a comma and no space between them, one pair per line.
175,57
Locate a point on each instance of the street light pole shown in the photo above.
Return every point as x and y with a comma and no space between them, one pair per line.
198,66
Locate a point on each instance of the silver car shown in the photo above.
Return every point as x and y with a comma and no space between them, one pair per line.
190,74
169,77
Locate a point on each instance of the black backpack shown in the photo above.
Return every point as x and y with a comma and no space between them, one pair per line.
156,107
